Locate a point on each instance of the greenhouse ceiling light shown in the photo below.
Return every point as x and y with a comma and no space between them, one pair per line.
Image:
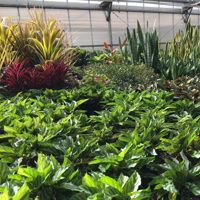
120,3
106,7
187,10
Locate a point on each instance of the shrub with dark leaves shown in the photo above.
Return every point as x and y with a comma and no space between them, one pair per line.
53,75
14,75
34,79
18,77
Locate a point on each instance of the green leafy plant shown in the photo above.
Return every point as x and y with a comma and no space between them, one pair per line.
104,187
181,57
184,87
142,48
179,180
98,142
123,75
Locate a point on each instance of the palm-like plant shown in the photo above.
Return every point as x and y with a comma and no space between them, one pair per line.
41,40
6,52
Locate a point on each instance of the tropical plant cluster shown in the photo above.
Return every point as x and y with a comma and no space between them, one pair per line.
34,54
128,145
117,124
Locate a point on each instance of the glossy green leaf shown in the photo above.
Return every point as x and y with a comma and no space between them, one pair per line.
4,171
132,184
111,182
23,193
89,181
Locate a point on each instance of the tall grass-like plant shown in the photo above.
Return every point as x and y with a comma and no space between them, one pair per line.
181,57
141,47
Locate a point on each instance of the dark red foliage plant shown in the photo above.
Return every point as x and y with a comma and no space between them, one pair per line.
18,77
53,75
34,79
14,75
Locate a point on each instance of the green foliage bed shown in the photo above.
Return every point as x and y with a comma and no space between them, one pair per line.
98,142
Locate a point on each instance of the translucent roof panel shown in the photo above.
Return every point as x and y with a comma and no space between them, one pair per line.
86,24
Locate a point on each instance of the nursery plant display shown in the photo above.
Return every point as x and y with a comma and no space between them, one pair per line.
117,124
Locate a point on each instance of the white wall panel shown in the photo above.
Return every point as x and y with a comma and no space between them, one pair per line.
12,12
100,28
80,25
166,27
119,26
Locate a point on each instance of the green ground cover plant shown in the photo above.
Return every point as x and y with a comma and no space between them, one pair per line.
98,142
122,75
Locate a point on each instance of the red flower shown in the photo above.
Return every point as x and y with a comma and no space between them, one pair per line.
106,82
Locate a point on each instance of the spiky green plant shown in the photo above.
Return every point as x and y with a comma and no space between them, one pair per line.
141,48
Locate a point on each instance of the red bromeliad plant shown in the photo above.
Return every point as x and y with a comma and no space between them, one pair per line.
53,75
18,77
34,79
14,75
112,54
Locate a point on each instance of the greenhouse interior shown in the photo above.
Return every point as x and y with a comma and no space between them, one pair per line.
99,100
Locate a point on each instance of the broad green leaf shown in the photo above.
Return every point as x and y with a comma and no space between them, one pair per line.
58,174
78,103
142,194
122,180
89,181
46,173
70,186
194,188
111,182
8,129
55,164
125,150
195,171
5,195
23,193
15,177
5,136
41,162
169,186
132,184
195,154
4,171
6,151
28,172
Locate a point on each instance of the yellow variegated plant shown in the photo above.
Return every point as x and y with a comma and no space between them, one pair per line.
40,40
181,57
50,44
7,53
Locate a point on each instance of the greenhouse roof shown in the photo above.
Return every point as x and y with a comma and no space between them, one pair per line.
35,2
90,21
